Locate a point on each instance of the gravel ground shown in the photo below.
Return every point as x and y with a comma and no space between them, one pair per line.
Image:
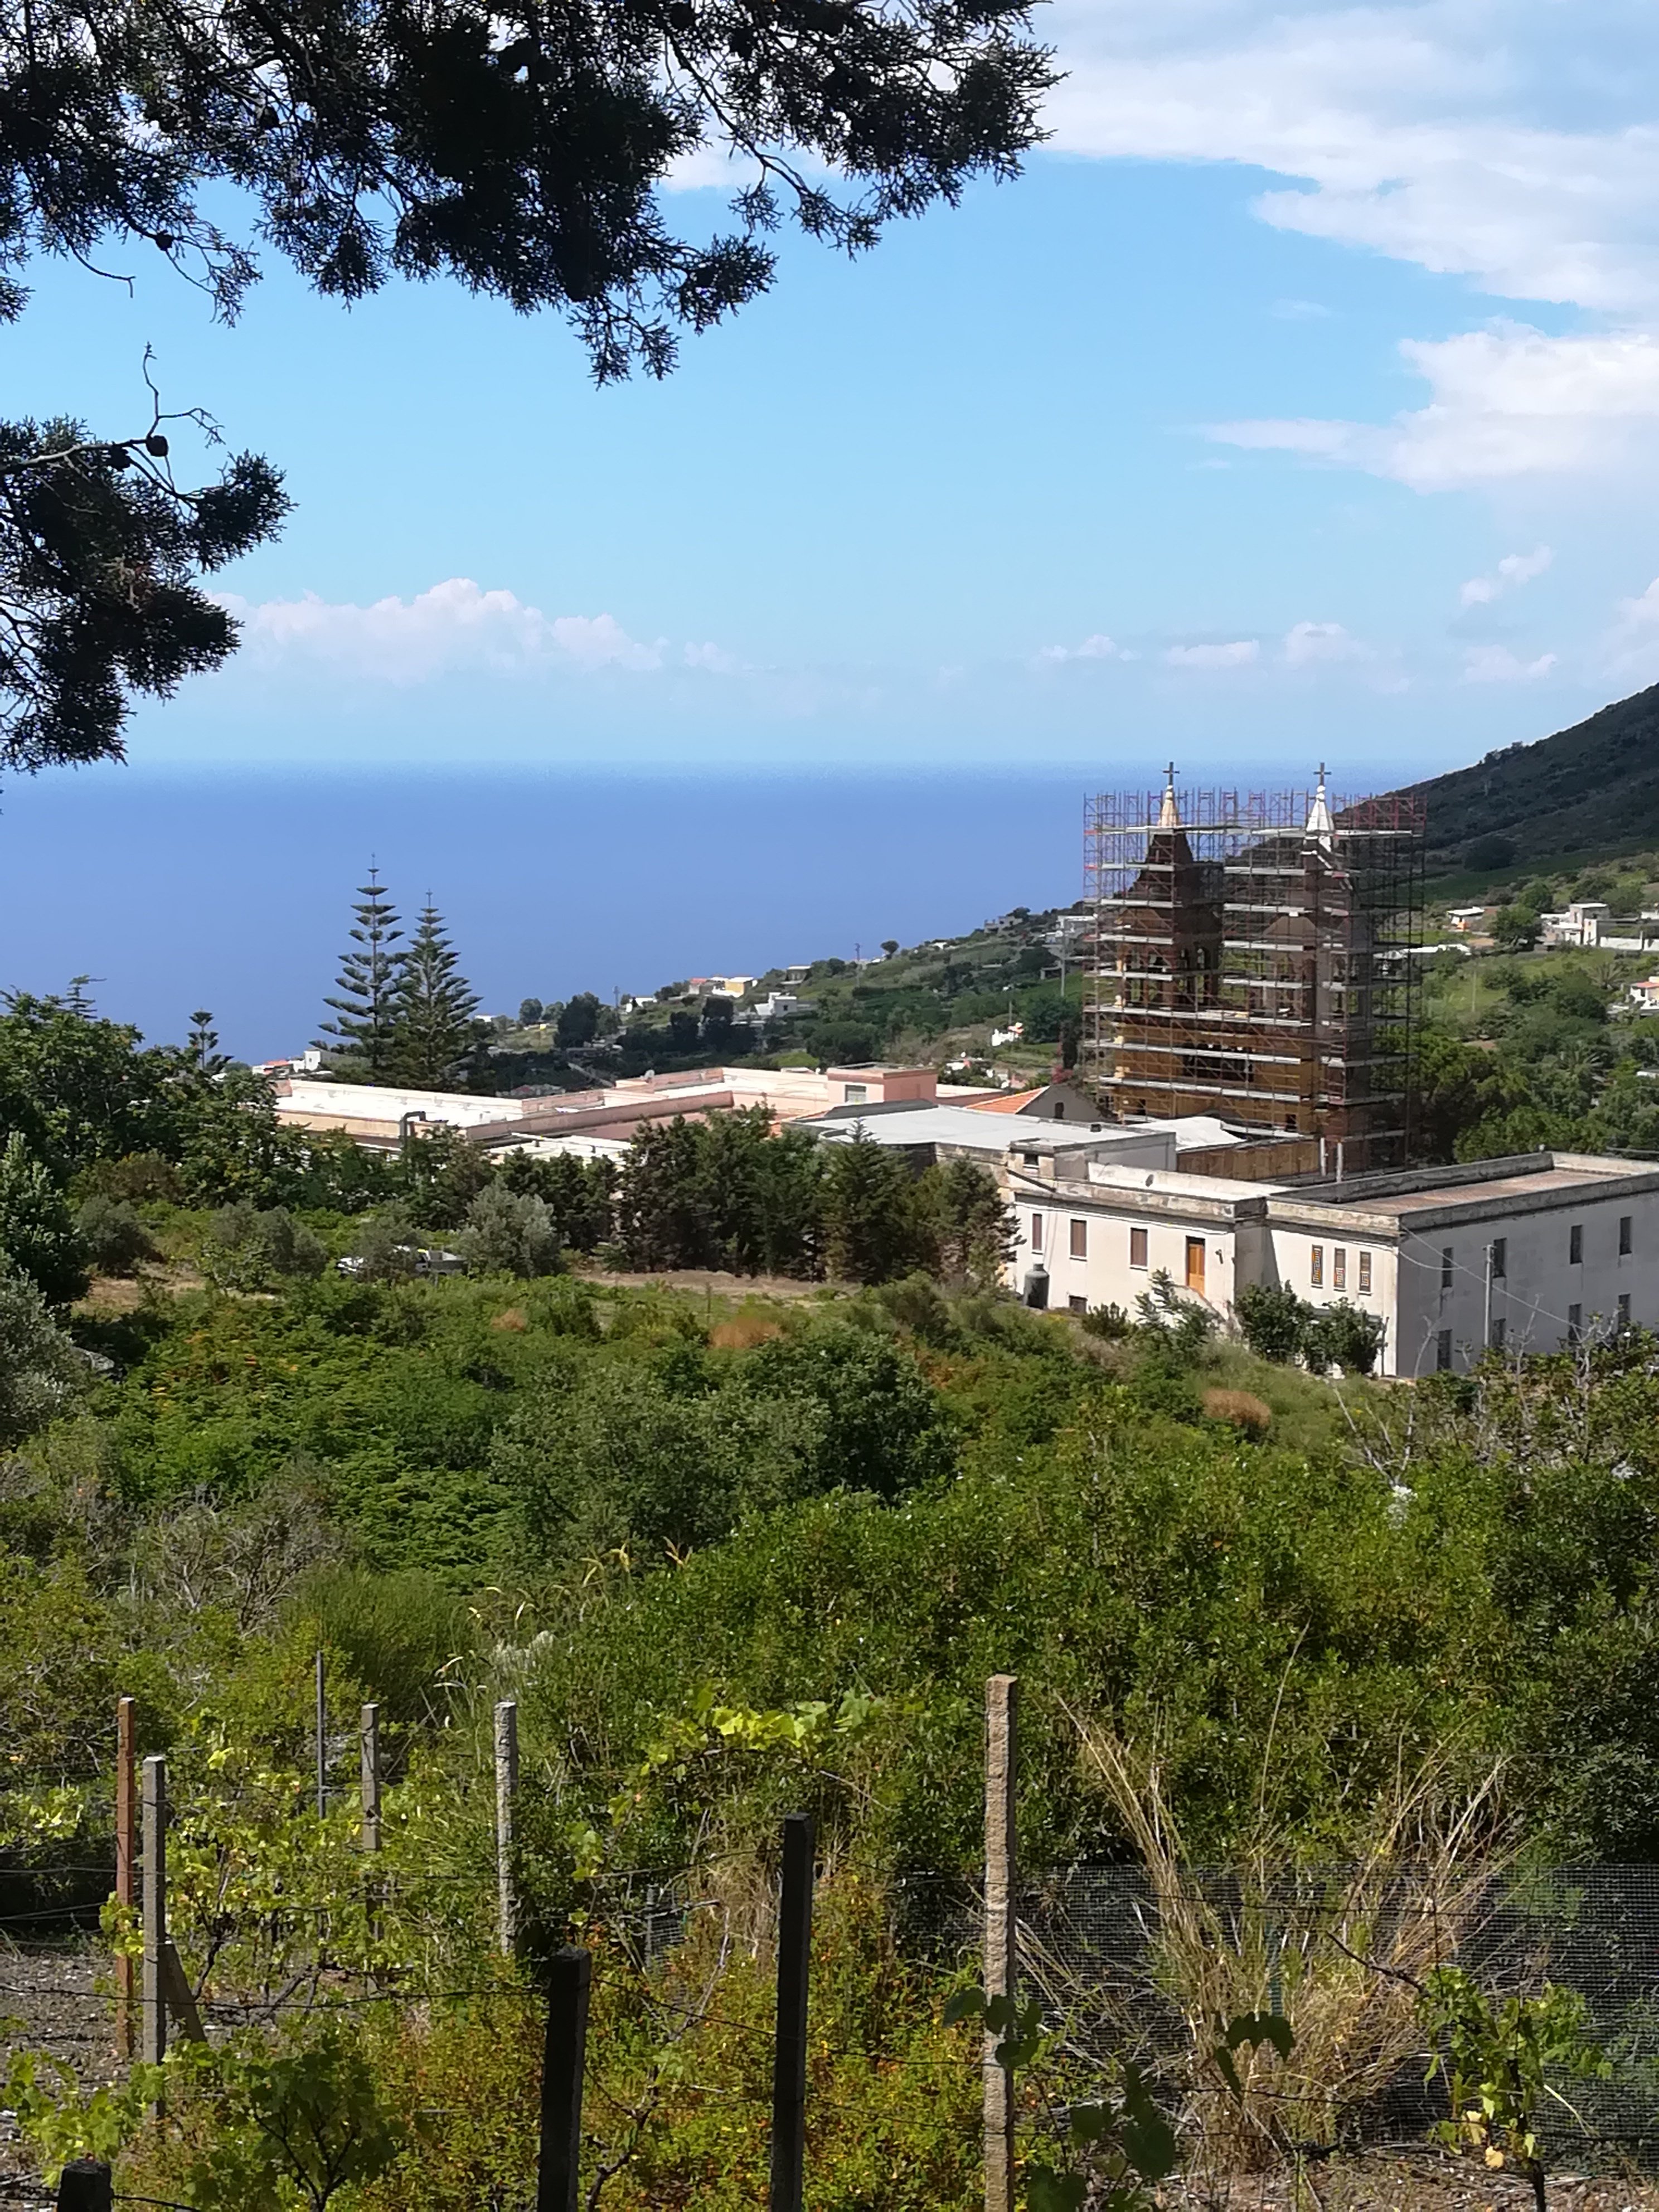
48,2003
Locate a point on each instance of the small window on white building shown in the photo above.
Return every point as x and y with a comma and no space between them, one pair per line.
1500,1329
1447,1263
1077,1305
1136,1248
1036,1233
1364,1273
1626,1225
1340,1268
1576,1245
1575,1323
1317,1266
1500,1258
1080,1246
1442,1348
854,1094
1624,1309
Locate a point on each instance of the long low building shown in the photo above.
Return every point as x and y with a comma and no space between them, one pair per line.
1527,1254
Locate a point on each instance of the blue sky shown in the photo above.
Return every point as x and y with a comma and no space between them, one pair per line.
1303,398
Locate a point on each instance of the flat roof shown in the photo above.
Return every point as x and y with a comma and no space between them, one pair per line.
926,1124
1499,1188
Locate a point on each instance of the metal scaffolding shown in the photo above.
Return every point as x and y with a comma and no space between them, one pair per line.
1251,956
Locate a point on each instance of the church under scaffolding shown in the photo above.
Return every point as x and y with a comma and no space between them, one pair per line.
1250,957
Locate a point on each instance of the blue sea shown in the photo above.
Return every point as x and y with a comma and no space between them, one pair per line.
177,889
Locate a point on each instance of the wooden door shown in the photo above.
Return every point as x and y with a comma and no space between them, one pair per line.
1195,1265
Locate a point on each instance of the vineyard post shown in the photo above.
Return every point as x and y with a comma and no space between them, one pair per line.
126,1890
1002,1927
563,2065
507,1784
86,2184
322,1741
789,2055
370,1740
155,2041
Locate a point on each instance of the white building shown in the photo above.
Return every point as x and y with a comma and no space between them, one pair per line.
1527,1254
1581,922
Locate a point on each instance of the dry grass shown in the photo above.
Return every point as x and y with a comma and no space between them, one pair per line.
1241,1409
1339,1954
512,1318
744,1331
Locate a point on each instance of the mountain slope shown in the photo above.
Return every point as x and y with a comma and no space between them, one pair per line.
1588,790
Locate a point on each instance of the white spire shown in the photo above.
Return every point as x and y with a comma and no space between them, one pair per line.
1320,825
1168,816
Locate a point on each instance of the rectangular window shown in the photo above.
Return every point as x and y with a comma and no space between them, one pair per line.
1626,1225
1500,1258
1036,1233
854,1094
1340,1268
1575,1323
1442,1352
1576,1245
1364,1273
1499,1331
1624,1309
1446,1265
1136,1248
1077,1305
1317,1266
1079,1240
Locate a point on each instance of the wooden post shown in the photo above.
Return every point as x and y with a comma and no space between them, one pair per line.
789,2055
322,1741
126,1887
154,2043
564,2065
507,1784
85,2185
369,1738
1002,1927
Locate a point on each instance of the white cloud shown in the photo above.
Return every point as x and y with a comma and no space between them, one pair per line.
1310,641
1496,663
1632,649
1238,654
1508,402
453,626
1098,648
1514,145
1507,145
713,658
1512,571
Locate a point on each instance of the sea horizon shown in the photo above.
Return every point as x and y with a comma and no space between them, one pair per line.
230,887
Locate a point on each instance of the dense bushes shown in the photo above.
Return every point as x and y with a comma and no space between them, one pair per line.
1277,1325
726,1192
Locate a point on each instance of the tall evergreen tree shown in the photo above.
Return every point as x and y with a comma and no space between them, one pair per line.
435,1025
367,985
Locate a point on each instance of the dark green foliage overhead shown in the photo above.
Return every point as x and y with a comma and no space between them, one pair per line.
100,550
521,151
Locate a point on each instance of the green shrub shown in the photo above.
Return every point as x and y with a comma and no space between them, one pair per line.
245,1249
1345,1336
509,1233
115,1238
1271,1320
38,1236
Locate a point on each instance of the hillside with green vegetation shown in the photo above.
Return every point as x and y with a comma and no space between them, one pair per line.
735,1554
1589,792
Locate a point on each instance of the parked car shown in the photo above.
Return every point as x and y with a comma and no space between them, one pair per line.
424,1260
